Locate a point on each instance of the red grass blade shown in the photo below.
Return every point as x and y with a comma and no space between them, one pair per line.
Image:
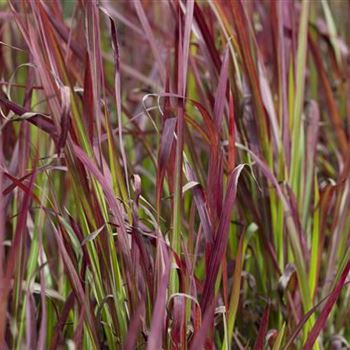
200,339
260,340
221,238
158,317
322,319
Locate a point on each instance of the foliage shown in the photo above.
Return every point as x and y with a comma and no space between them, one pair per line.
174,174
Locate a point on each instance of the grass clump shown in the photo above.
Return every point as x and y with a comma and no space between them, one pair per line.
174,175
